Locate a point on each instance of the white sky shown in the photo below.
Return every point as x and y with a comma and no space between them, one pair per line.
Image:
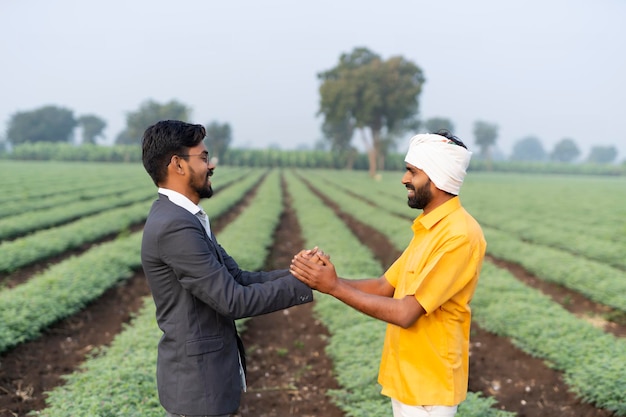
548,68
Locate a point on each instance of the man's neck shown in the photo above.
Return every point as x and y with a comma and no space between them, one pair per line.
438,200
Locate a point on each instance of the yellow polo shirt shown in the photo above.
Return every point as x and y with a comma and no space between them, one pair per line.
427,364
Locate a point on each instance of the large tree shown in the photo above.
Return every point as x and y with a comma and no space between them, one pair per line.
435,124
339,134
93,127
373,95
148,114
529,148
218,138
565,150
45,124
485,135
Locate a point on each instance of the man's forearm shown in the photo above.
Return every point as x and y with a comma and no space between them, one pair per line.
370,286
401,312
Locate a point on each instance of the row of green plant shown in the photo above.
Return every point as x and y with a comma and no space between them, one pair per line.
66,287
63,195
596,280
31,184
362,201
31,181
262,217
29,221
116,381
118,191
54,151
120,380
584,215
276,158
576,243
268,158
43,244
548,168
356,342
589,206
593,361
258,222
46,243
271,158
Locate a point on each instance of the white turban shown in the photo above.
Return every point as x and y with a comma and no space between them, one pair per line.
441,159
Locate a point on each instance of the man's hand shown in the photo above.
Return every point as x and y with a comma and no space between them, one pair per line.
315,270
315,255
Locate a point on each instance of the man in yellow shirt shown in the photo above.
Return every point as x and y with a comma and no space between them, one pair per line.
424,296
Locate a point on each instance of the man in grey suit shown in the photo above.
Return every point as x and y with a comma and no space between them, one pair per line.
198,289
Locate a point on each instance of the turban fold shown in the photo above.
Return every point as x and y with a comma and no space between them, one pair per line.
441,159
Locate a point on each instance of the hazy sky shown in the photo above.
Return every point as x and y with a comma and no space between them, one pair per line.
552,69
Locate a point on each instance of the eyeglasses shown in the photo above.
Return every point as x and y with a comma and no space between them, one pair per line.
204,156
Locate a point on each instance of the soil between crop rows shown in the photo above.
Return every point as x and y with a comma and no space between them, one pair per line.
289,372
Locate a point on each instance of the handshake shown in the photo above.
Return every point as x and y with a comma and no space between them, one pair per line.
314,268
315,255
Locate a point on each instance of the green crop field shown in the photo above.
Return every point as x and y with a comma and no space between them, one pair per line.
566,230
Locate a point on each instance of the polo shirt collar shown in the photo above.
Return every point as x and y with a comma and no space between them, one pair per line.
439,213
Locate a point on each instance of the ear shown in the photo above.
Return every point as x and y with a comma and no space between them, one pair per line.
176,166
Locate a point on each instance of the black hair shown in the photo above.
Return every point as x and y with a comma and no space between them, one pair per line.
164,139
446,134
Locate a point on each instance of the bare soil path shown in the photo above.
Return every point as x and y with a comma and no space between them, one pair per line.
289,372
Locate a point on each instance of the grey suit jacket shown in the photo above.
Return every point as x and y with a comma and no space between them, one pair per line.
199,290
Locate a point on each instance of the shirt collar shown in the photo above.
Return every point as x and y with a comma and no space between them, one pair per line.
180,200
439,213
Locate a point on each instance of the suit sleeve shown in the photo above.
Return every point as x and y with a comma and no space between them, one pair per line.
247,277
183,247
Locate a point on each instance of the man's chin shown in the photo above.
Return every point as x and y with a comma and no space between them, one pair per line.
207,193
414,204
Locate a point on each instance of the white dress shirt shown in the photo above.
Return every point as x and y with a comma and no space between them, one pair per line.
182,201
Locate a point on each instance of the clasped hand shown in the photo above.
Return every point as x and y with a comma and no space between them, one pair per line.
313,267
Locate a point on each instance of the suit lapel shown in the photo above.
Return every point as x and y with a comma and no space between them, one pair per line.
212,239
216,247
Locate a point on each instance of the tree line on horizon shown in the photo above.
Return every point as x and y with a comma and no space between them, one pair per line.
362,96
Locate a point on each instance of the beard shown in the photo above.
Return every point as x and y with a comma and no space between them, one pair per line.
205,192
422,196
200,184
